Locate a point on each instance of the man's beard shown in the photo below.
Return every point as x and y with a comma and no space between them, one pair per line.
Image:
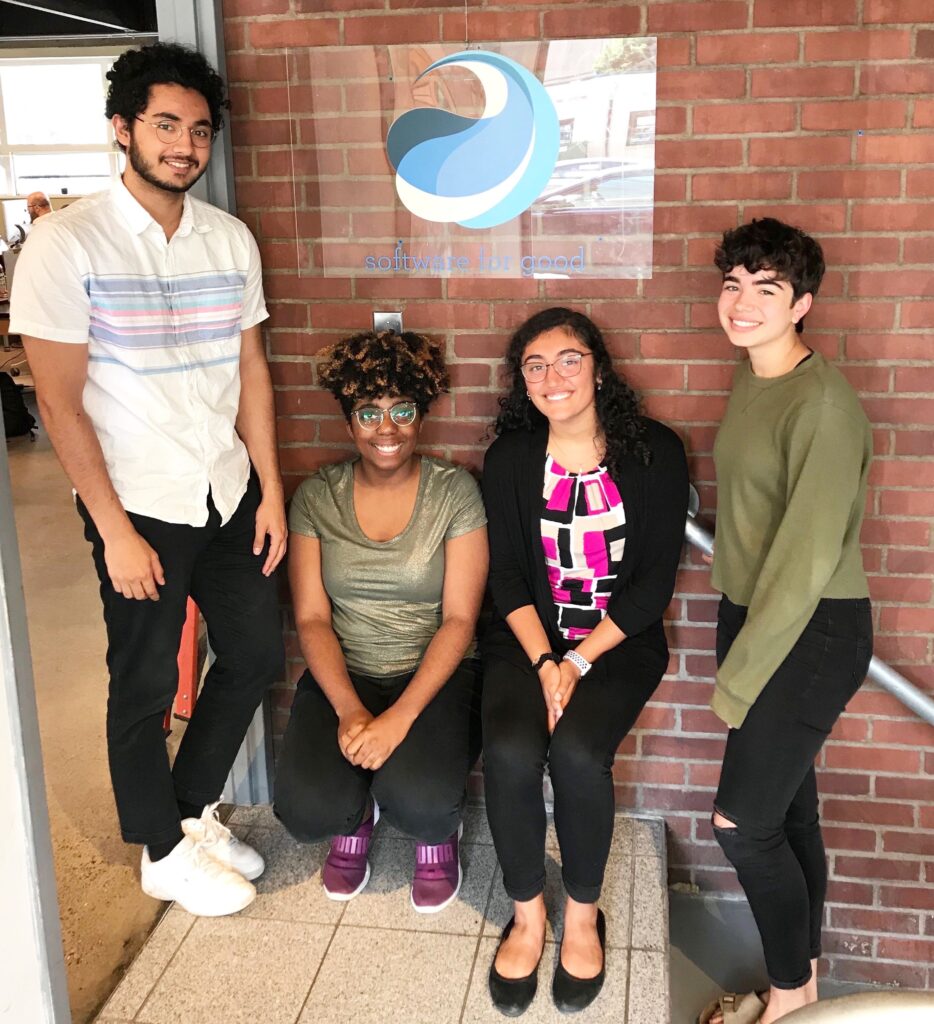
145,171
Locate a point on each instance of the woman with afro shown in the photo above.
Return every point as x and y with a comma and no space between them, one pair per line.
586,501
387,568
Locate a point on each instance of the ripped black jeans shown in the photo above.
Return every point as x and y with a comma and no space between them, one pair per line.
768,787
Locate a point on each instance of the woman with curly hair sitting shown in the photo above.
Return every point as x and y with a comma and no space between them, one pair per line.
388,560
586,501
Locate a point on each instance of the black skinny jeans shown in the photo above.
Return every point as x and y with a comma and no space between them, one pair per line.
420,789
215,565
768,786
579,755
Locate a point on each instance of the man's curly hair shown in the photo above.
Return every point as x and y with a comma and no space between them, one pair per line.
136,71
616,404
369,366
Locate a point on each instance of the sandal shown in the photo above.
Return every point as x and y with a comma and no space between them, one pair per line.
735,1009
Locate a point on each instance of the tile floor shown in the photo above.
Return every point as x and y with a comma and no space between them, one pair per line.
295,957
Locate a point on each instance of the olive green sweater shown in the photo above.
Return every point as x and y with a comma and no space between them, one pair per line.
792,457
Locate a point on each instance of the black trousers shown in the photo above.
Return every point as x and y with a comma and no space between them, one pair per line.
420,789
579,755
768,786
215,565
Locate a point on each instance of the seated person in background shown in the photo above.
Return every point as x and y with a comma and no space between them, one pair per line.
387,573
37,205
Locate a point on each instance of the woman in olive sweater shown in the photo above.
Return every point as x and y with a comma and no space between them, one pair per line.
586,503
794,632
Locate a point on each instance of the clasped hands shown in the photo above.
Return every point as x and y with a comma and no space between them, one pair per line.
368,741
559,681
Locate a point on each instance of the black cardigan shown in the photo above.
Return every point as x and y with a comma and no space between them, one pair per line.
655,498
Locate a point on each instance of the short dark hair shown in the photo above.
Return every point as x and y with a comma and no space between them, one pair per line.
769,244
136,71
371,365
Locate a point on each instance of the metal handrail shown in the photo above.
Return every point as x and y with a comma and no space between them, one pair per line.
886,1005
879,672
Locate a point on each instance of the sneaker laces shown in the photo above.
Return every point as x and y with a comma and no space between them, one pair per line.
214,831
204,863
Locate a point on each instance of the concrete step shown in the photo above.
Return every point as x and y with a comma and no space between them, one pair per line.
295,956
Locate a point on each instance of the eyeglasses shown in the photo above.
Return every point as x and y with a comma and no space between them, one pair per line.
370,417
169,132
569,365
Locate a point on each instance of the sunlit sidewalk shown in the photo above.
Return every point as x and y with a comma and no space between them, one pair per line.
295,957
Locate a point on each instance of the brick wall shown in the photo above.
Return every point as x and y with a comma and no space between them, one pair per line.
817,111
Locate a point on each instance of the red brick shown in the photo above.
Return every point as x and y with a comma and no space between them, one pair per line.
502,24
861,315
254,8
717,15
919,183
911,79
748,48
917,314
819,81
850,893
854,114
867,812
924,113
865,920
700,85
743,118
877,867
746,185
889,11
680,220
873,972
858,44
887,346
907,620
896,149
566,23
884,759
918,843
669,121
910,898
889,216
821,218
924,43
294,32
697,153
372,30
804,152
848,184
672,51
914,442
860,840
918,950
805,13
910,561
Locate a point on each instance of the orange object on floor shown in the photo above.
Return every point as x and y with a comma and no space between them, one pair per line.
187,692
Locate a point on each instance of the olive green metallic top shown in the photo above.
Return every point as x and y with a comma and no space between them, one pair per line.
386,595
792,458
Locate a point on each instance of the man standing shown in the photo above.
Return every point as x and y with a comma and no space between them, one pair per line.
140,310
37,205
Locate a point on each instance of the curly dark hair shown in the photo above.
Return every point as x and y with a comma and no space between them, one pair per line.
371,365
136,71
616,403
769,244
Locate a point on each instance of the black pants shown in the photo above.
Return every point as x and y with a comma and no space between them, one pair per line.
215,565
768,787
579,755
420,789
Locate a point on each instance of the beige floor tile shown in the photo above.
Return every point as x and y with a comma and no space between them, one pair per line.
370,976
649,905
649,1001
238,970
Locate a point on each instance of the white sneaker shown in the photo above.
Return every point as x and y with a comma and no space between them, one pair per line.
196,881
222,845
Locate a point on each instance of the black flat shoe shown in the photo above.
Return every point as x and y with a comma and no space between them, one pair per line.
571,995
512,996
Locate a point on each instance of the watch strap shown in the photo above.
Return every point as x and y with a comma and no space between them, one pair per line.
579,662
547,656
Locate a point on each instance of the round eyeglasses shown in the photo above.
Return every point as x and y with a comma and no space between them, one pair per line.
170,131
370,417
568,365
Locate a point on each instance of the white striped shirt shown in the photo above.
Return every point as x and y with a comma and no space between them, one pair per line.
162,323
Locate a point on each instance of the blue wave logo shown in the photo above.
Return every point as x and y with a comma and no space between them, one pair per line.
477,172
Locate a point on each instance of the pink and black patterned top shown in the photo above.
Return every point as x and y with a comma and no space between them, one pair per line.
583,535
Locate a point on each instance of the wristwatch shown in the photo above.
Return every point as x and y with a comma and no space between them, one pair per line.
579,661
547,656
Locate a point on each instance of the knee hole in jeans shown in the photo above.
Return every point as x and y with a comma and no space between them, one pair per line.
723,822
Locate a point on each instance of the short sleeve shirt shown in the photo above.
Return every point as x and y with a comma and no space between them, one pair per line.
386,595
162,322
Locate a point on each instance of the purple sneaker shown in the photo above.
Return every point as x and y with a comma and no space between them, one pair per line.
346,869
438,874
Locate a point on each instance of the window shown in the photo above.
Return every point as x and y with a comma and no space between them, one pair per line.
53,133
641,128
